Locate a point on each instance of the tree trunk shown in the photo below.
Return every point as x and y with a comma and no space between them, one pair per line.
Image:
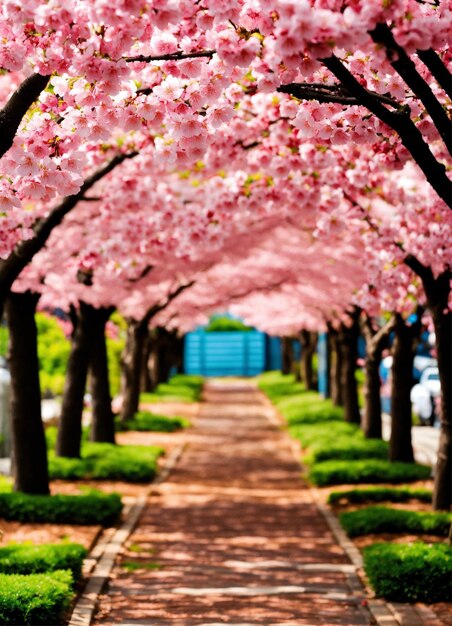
308,341
348,347
287,355
437,291
102,424
403,349
147,381
336,366
70,426
28,441
132,367
376,342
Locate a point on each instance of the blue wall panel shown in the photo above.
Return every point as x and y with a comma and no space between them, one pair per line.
225,353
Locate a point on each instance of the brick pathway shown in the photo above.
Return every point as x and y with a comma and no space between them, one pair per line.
233,536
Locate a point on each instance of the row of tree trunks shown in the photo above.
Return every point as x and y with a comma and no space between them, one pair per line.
88,351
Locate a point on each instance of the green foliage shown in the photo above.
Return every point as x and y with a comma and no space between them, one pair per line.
226,324
337,440
146,421
115,348
35,599
26,558
380,494
180,388
53,352
4,338
106,461
366,471
6,484
348,448
380,519
416,572
93,508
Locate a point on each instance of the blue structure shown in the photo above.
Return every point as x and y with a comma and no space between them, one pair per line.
225,353
323,365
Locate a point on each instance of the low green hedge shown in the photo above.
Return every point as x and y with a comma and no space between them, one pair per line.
380,519
324,433
415,572
152,422
180,388
366,471
103,509
380,494
347,447
106,461
35,599
26,558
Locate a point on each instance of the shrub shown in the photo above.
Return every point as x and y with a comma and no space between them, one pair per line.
366,471
103,509
380,519
337,440
380,494
324,433
106,461
26,558
226,324
180,388
146,421
415,572
35,599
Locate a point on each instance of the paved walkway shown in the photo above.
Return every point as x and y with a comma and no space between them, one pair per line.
233,536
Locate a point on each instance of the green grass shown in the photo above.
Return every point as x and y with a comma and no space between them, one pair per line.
295,404
26,558
106,461
90,509
146,421
337,440
416,572
35,599
181,388
366,471
380,519
380,494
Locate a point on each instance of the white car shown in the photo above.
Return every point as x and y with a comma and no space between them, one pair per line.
424,395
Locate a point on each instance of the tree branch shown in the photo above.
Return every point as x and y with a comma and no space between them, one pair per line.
173,56
14,110
406,69
331,93
24,252
437,69
401,122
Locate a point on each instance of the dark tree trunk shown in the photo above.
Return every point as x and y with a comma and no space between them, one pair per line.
102,424
437,291
403,350
376,342
336,366
287,355
147,380
28,441
132,368
70,427
308,341
348,345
